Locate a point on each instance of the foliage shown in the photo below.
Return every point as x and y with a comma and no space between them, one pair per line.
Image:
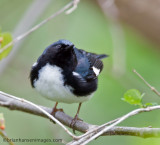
134,97
5,38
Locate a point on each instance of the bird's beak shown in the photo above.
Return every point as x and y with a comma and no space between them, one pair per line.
69,47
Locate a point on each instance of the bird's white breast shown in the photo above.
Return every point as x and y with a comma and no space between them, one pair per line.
50,84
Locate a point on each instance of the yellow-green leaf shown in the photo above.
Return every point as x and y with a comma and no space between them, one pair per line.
133,96
5,38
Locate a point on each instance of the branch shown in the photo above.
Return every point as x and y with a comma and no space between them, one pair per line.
132,113
142,15
39,108
29,18
74,3
151,87
4,136
80,125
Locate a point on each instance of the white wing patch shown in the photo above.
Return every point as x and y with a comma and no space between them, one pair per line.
96,70
34,64
75,74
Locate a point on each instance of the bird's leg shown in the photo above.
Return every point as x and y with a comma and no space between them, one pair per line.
55,109
74,120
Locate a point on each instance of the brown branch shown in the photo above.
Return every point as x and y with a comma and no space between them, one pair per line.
142,15
80,125
151,87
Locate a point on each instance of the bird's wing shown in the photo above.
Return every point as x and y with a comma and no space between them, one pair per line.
89,65
96,67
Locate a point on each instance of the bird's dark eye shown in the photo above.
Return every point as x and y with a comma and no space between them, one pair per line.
58,46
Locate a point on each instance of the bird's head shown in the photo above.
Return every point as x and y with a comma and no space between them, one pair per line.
60,53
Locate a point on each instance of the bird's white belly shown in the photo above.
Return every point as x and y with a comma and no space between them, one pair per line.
50,85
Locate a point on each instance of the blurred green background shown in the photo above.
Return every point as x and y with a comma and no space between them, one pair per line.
89,29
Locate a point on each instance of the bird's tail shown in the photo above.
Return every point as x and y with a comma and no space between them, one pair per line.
101,56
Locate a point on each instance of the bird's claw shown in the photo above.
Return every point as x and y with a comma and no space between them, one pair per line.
74,120
54,112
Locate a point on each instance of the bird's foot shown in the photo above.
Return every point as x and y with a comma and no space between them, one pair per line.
53,113
55,110
74,120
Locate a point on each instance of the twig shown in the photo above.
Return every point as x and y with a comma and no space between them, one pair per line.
95,129
75,4
132,113
151,87
91,132
28,20
5,137
40,24
86,139
42,110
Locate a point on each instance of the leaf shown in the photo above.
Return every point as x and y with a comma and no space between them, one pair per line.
2,121
133,97
5,38
151,104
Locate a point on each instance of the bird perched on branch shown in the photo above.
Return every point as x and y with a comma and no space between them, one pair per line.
66,74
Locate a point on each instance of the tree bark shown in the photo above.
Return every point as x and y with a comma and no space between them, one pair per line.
143,15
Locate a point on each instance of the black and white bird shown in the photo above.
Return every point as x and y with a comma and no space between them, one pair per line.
66,74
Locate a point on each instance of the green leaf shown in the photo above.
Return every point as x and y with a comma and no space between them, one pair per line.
133,97
5,38
151,104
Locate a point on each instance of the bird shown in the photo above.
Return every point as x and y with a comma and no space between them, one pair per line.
66,74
